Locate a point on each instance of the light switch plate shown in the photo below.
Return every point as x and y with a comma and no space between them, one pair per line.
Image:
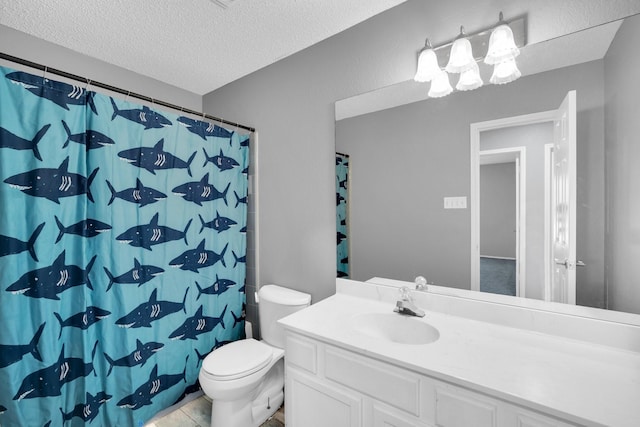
223,3
455,202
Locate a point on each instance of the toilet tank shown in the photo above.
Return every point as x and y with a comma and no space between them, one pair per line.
276,302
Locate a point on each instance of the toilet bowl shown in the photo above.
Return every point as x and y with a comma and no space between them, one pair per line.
244,381
245,378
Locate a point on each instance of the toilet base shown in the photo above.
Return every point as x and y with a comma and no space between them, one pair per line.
253,410
251,414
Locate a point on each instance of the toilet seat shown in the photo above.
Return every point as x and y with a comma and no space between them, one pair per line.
237,359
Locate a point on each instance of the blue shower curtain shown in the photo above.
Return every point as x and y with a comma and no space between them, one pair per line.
122,248
342,214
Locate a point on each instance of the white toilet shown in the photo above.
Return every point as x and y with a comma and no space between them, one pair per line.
245,379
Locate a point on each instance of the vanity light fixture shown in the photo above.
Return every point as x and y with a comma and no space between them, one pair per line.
428,66
501,43
470,79
502,46
461,57
501,53
505,72
461,61
440,85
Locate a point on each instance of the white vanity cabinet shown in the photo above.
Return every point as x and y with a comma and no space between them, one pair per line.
326,385
314,401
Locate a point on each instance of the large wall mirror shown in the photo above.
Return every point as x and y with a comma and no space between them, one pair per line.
406,154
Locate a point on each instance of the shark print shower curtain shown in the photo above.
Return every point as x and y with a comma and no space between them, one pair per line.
342,214
122,251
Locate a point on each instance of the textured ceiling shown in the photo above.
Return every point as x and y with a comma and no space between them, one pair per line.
195,45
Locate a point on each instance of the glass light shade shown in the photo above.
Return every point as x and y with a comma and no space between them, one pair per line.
502,46
440,85
470,79
427,66
461,57
505,72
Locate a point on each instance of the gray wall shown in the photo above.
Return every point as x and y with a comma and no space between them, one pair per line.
498,210
36,50
532,138
431,139
291,105
622,136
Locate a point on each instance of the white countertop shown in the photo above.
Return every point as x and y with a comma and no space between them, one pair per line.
581,382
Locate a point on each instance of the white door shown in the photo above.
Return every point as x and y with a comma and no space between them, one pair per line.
520,282
563,203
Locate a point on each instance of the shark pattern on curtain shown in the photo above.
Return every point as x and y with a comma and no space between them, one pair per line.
342,215
122,253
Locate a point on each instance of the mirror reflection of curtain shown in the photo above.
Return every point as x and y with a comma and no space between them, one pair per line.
342,214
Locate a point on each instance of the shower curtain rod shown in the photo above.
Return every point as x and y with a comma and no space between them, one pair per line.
119,90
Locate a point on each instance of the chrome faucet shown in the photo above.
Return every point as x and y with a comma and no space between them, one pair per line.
405,304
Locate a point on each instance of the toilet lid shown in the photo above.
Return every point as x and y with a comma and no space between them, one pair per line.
237,359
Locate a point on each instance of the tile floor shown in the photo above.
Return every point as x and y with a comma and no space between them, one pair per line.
197,413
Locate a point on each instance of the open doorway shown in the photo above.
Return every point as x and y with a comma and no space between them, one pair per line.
502,204
551,198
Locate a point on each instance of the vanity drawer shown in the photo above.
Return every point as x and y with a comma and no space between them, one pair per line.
388,384
301,353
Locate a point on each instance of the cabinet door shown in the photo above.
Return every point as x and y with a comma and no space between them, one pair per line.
387,417
456,407
520,417
311,403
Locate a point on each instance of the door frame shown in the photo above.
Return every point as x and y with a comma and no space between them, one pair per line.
548,179
475,130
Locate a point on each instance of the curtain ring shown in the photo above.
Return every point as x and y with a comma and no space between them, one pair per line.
86,88
127,97
44,74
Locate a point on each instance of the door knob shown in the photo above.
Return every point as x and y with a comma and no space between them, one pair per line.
565,263
568,264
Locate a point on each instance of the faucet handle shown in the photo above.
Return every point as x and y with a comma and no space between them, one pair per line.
421,283
404,293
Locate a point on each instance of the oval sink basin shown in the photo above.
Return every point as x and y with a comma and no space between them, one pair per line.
395,328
